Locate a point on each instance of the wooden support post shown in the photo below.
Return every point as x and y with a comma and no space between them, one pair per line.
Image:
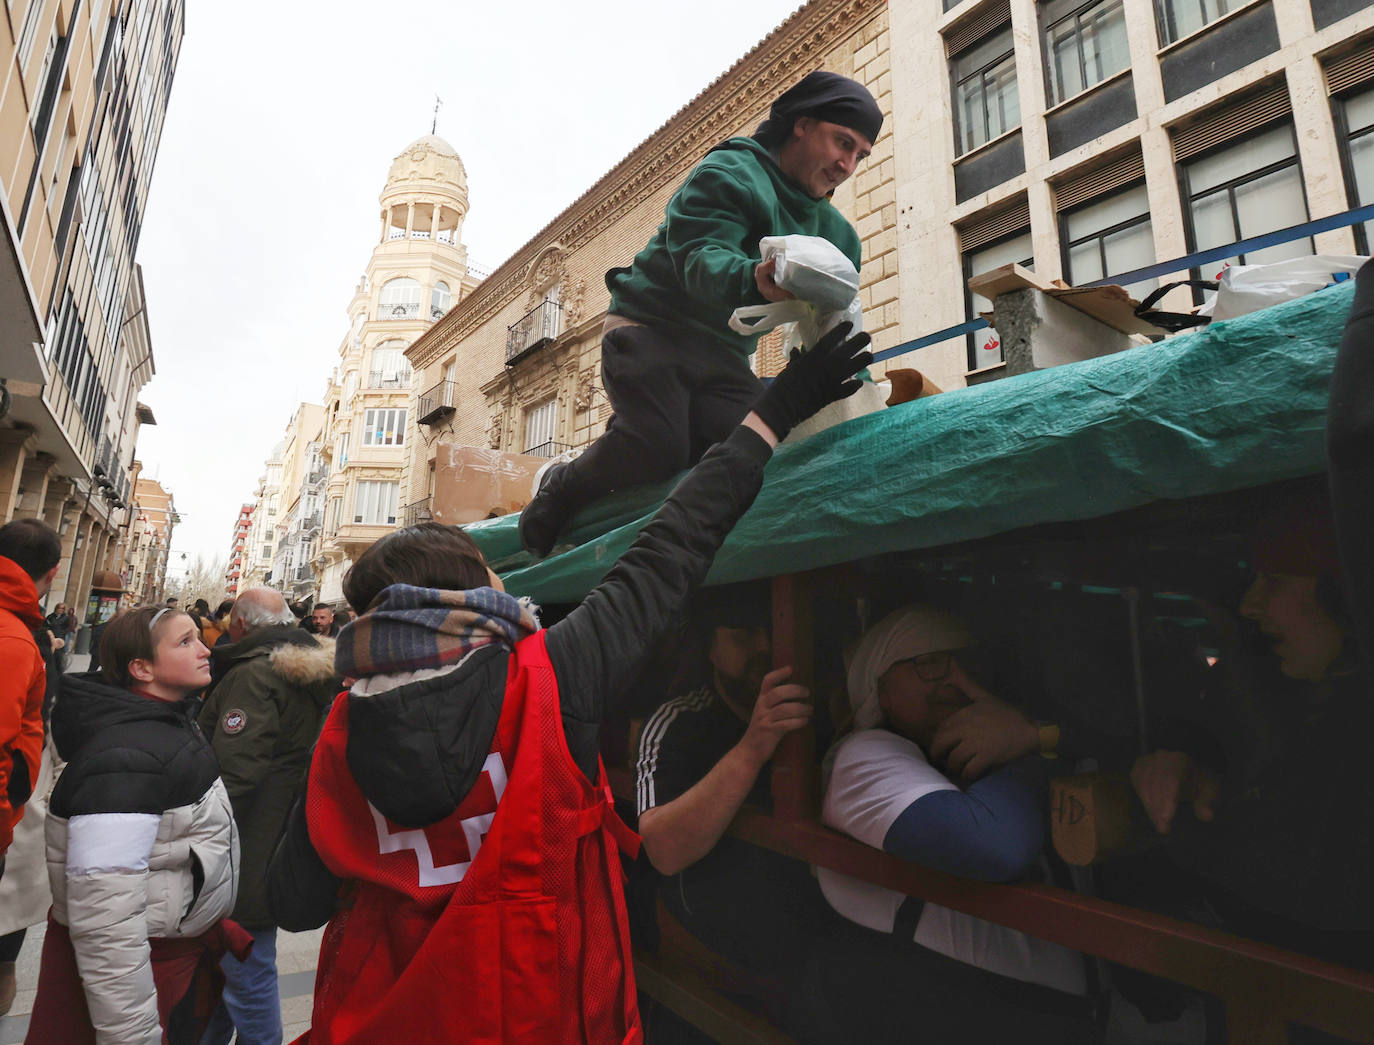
794,777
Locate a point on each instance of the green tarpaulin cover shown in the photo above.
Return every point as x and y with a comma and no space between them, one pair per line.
1235,404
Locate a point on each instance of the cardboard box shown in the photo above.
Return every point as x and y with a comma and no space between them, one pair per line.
472,483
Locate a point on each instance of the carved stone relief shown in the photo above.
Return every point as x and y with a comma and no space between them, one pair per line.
572,296
586,389
548,268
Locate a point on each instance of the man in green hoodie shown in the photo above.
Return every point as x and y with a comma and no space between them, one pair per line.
677,375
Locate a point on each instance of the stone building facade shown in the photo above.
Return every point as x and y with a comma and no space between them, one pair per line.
1087,139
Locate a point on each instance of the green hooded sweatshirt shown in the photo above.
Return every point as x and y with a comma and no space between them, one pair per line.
699,266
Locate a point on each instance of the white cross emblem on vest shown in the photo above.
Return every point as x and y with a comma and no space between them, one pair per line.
474,829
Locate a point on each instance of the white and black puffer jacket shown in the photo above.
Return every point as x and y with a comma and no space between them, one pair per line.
141,844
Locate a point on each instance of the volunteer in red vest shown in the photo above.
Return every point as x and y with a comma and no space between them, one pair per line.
456,831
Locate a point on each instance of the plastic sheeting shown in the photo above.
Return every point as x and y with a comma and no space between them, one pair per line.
1235,404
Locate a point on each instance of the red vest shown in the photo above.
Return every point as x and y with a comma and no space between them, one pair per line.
503,922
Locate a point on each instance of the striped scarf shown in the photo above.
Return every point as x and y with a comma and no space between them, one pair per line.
409,628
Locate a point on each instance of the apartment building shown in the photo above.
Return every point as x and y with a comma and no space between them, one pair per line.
417,272
150,540
233,574
261,545
83,95
297,520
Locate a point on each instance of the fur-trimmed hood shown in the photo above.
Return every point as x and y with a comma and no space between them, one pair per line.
305,665
296,659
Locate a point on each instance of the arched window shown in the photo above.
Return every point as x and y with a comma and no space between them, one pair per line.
400,299
439,300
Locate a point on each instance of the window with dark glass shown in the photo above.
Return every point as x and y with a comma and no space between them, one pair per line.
1085,43
985,345
986,104
1245,189
1178,18
1355,122
1109,235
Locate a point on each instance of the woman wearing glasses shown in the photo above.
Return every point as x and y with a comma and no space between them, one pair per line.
142,849
944,973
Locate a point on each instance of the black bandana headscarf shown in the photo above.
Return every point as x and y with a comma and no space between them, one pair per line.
822,96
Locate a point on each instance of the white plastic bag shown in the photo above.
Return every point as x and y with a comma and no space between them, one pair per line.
826,285
813,269
1248,288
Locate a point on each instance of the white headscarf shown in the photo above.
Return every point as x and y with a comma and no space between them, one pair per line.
908,632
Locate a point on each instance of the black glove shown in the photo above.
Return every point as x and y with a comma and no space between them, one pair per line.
813,379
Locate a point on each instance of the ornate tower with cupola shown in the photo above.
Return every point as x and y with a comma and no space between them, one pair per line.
417,272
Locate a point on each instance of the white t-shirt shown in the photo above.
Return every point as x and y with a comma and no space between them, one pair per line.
876,776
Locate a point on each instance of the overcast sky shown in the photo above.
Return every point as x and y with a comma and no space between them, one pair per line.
283,122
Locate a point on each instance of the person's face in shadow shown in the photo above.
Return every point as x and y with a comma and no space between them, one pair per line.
740,657
1306,638
917,694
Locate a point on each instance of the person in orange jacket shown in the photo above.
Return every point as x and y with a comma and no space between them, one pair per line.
29,553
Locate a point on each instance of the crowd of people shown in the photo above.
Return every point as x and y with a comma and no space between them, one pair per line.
420,772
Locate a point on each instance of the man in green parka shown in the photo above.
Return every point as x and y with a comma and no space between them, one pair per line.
677,375
270,687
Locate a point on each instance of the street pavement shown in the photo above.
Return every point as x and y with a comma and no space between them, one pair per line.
297,956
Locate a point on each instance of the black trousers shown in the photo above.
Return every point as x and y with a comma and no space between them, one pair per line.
674,396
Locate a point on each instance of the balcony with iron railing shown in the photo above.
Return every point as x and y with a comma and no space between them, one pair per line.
318,476
302,573
394,379
547,449
532,331
399,310
417,512
311,522
103,463
438,403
